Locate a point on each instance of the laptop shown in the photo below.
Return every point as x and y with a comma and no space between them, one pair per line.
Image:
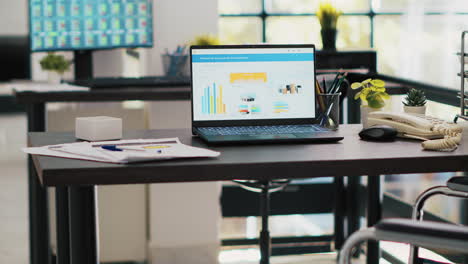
255,94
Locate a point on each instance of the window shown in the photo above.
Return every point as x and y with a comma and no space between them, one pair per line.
414,39
294,21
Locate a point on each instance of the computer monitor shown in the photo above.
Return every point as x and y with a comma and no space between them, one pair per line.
16,60
90,24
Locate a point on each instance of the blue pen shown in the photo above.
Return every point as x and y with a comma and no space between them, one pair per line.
111,148
115,148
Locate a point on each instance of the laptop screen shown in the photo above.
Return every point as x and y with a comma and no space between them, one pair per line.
253,83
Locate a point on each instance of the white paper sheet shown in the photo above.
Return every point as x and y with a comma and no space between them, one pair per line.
136,150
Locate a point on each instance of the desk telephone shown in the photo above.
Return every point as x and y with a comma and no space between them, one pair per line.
436,134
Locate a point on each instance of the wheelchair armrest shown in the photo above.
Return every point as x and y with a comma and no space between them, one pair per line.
424,233
418,233
425,228
458,184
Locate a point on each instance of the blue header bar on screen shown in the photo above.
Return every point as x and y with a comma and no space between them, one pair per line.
266,57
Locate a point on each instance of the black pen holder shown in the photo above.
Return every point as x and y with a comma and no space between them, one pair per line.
329,110
175,65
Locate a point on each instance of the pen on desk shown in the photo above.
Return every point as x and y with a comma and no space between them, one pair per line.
120,148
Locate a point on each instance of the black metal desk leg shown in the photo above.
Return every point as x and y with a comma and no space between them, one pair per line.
339,212
63,227
83,225
353,207
374,214
265,240
39,236
353,204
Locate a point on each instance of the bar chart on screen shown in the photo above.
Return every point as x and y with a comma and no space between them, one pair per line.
212,100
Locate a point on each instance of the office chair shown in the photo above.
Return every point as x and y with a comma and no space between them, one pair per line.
264,188
416,232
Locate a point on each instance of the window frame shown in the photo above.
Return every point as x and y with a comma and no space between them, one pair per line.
372,13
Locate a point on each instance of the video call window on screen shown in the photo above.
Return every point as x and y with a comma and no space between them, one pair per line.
90,24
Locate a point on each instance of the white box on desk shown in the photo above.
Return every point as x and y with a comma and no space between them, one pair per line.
96,128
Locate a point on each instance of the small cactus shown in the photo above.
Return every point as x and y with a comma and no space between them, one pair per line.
415,98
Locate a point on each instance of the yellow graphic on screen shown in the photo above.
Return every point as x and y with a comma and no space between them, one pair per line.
280,107
245,76
212,100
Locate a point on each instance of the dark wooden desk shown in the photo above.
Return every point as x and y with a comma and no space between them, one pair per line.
35,108
76,180
106,95
35,103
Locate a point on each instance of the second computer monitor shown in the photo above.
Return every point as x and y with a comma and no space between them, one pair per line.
90,24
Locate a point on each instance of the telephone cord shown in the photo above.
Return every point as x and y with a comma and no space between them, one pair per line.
450,141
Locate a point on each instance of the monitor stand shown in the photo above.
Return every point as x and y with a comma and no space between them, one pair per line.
83,64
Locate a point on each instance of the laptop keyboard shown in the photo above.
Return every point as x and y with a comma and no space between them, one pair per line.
261,130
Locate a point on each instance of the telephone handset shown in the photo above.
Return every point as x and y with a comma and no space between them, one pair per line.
436,134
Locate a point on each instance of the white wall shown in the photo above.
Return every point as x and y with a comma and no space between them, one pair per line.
14,17
176,22
185,218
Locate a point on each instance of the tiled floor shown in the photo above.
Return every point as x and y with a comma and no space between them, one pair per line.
13,199
304,259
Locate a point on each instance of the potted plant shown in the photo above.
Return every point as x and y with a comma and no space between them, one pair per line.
55,65
372,97
328,16
205,40
415,102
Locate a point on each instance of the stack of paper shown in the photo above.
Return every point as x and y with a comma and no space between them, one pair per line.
123,151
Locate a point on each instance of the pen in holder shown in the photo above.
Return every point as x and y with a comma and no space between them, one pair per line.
329,110
175,64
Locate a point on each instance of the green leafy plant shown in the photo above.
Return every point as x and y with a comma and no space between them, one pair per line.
415,97
328,15
56,63
205,40
372,94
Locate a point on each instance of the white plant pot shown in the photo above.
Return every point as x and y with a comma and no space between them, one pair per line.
415,109
54,77
365,110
